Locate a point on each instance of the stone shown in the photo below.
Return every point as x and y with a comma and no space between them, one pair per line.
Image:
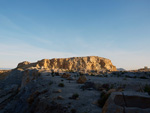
130,102
88,85
57,91
66,75
82,79
70,78
60,98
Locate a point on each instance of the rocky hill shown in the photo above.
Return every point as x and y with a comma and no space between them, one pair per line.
31,88
85,64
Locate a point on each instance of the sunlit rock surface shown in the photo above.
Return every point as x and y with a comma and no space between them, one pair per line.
84,64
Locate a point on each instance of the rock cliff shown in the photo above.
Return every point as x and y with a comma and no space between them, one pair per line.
89,63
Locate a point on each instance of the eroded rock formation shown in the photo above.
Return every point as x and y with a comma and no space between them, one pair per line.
88,63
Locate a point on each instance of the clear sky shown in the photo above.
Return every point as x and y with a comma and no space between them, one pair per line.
115,29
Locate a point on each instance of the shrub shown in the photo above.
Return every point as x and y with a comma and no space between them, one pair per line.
50,83
147,88
71,71
143,77
39,74
100,75
105,75
74,96
111,86
106,86
30,100
61,85
57,74
73,110
118,75
92,74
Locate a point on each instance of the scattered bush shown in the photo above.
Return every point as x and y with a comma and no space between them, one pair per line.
111,86
106,86
39,74
118,75
73,110
105,75
143,77
74,96
92,75
57,74
71,71
27,80
147,88
50,83
52,73
30,100
100,75
61,85
122,72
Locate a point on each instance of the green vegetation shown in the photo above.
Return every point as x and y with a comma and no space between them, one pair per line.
73,110
92,74
143,77
39,74
111,86
75,96
61,85
50,83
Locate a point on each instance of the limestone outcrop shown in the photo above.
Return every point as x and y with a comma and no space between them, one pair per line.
23,64
84,64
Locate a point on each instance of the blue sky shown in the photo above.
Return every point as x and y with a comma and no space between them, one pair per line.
115,29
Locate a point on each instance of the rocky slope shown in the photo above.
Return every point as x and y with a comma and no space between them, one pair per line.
43,91
4,73
85,64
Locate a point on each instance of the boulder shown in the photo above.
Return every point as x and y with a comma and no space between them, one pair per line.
127,102
82,79
70,78
57,91
60,98
88,85
66,75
